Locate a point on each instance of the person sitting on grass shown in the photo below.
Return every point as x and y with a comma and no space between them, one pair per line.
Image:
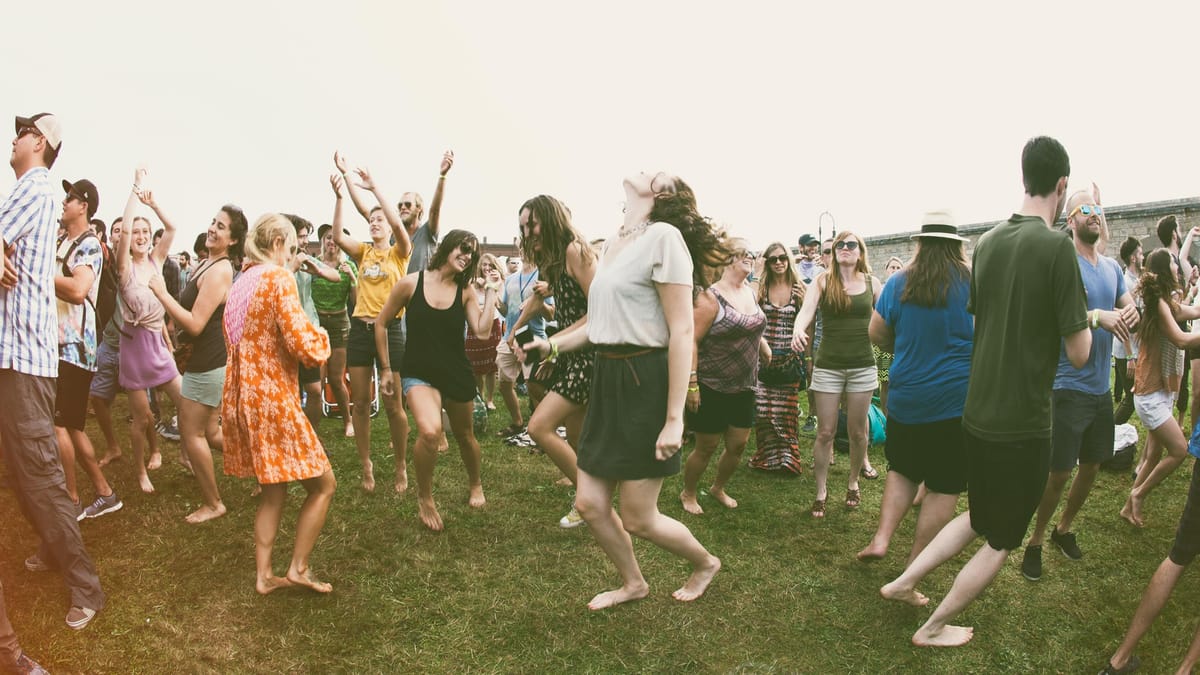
438,301
267,435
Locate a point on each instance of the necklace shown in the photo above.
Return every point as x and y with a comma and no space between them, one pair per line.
624,233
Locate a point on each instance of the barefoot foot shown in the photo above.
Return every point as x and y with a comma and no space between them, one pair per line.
690,504
145,484
948,636
723,498
349,430
1136,502
271,583
615,597
873,551
428,513
698,582
563,482
110,457
368,480
206,513
155,461
306,579
893,591
476,499
256,490
401,485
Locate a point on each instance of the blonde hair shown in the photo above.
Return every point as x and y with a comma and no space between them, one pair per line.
269,227
494,262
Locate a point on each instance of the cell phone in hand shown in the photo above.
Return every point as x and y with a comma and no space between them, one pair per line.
524,336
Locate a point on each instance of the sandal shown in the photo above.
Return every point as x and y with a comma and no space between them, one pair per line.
510,431
853,499
869,473
818,508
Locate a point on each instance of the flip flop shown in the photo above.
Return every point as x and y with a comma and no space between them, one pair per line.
853,499
869,473
1133,664
818,508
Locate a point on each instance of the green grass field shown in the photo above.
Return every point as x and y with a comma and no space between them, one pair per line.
504,589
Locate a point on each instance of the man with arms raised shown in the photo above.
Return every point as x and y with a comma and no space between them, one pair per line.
1027,298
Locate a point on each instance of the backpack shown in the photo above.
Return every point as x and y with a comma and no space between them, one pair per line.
106,294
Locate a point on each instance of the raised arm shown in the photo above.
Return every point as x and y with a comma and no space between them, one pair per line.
399,232
122,255
480,318
163,248
349,244
1185,249
435,205
343,167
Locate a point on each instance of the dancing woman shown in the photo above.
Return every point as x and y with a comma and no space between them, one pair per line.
640,322
482,353
267,435
566,265
777,429
437,375
845,363
332,298
729,342
1157,377
199,312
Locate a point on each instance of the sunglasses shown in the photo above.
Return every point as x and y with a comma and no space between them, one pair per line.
826,251
847,244
406,204
466,248
24,131
1087,210
772,259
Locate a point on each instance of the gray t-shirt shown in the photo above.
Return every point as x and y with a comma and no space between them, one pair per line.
424,243
623,304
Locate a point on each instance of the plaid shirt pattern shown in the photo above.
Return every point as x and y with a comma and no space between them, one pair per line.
28,315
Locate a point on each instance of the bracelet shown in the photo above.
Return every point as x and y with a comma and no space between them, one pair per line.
441,176
1095,319
553,351
693,390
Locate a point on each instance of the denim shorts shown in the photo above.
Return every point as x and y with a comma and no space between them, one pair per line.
407,383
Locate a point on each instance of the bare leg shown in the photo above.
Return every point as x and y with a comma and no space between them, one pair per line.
1171,437
426,406
898,494
335,368
1085,477
937,511
308,528
1153,600
543,429
827,419
103,411
1192,656
266,526
193,424
361,380
398,427
312,403
462,424
1049,504
856,428
489,390
593,499
140,407
641,518
970,582
952,539
735,444
694,467
66,456
85,454
508,392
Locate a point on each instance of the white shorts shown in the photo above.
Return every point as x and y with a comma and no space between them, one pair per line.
847,380
1155,409
507,364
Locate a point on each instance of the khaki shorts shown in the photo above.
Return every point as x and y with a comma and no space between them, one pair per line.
844,380
508,365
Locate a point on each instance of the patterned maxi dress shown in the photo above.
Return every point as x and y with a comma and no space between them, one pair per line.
267,435
776,429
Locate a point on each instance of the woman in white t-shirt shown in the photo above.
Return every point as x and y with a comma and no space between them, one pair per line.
640,324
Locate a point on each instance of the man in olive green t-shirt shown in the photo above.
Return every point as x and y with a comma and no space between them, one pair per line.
1027,296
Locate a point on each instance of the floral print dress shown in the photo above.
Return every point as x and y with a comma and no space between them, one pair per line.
267,335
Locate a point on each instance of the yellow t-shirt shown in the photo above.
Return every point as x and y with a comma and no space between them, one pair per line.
378,272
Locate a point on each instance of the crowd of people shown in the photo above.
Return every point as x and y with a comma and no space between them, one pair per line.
993,372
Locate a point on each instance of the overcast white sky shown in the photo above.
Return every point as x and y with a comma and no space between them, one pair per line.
773,112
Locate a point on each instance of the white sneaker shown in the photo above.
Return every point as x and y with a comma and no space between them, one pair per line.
572,519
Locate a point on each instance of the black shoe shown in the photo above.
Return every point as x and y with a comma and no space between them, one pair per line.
1066,544
1031,566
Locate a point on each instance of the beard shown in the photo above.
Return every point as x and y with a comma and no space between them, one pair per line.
1087,236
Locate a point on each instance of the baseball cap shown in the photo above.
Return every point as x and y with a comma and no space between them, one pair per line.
808,240
327,227
47,125
85,190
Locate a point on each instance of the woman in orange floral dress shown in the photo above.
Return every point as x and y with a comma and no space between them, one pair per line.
267,435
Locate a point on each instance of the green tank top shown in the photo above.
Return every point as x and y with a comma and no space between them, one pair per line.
845,342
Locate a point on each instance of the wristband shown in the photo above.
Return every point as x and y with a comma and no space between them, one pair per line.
693,390
1095,318
441,176
553,352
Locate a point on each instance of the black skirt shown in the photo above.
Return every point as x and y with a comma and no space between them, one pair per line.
626,413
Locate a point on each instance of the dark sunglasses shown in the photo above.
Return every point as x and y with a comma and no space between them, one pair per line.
826,251
23,131
848,244
466,248
404,204
772,259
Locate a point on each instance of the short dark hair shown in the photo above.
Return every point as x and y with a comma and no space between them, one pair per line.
98,226
1043,162
201,245
157,234
1167,226
298,223
1131,244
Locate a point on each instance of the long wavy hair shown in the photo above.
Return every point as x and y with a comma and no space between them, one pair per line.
939,263
835,299
705,242
269,227
790,275
1157,283
449,245
557,235
494,262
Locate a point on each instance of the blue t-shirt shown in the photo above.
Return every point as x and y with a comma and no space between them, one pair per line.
518,287
928,379
1104,283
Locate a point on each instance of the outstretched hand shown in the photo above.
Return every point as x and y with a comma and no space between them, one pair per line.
147,197
364,179
335,181
447,161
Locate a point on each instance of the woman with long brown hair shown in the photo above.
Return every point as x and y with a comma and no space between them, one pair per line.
481,352
1157,376
640,323
845,363
777,428
922,318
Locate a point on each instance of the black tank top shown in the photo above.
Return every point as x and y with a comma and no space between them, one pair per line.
208,348
435,349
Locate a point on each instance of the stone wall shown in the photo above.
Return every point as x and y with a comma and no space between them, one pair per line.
1137,220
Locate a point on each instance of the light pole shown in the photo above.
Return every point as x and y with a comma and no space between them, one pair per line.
832,229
